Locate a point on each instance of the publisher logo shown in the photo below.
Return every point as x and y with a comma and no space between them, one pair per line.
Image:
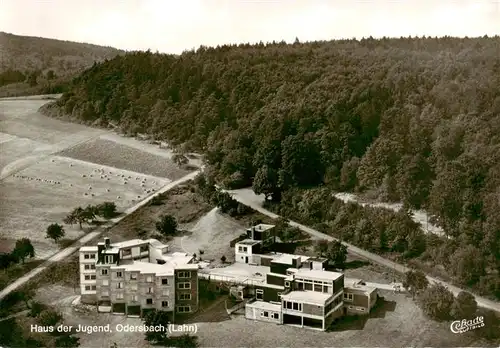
461,326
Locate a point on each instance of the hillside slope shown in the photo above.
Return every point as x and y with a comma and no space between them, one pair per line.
415,120
27,62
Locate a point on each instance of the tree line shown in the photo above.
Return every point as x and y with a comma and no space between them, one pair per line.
413,120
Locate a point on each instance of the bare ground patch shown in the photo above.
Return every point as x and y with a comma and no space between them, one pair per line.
113,154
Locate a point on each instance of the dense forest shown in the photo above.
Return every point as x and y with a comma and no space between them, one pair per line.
30,65
415,120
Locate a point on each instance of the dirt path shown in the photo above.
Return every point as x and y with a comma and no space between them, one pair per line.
248,198
88,237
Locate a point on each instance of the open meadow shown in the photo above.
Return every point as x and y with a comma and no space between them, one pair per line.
38,187
114,154
45,193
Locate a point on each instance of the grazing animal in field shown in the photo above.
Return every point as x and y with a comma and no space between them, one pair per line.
85,194
125,183
118,197
70,184
108,179
71,165
107,190
84,176
92,195
52,161
138,196
152,189
90,187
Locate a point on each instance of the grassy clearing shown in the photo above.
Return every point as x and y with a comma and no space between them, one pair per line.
110,153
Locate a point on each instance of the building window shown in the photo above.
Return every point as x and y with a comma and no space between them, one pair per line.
266,314
348,297
164,303
150,290
119,274
361,309
87,267
149,279
133,287
149,301
318,288
143,248
126,252
87,277
245,249
293,305
93,287
185,285
166,293
287,284
86,256
184,275
87,287
92,256
325,288
184,297
164,281
308,286
133,276
105,282
240,249
104,272
184,309
119,285
105,294
134,298
119,296
109,259
276,315
259,294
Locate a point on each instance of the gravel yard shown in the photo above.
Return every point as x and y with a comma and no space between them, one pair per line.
113,154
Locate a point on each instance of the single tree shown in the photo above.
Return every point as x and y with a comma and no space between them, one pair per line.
321,247
436,302
55,232
49,317
167,225
107,210
415,281
67,341
464,306
36,308
223,259
154,318
180,159
23,249
266,182
336,254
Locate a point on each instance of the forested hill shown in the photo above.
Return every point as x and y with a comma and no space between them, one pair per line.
410,119
34,60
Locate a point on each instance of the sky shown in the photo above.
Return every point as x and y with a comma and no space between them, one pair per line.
172,26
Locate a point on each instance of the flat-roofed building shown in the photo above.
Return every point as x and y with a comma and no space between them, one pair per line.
135,276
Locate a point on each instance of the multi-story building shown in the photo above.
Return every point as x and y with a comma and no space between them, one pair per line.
297,290
297,295
135,276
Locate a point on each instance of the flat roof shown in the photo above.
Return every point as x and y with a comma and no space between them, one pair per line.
156,243
317,274
272,286
88,248
262,227
318,259
129,243
248,242
312,297
265,306
286,259
111,251
146,268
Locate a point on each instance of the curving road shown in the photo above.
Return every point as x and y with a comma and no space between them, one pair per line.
88,237
249,198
